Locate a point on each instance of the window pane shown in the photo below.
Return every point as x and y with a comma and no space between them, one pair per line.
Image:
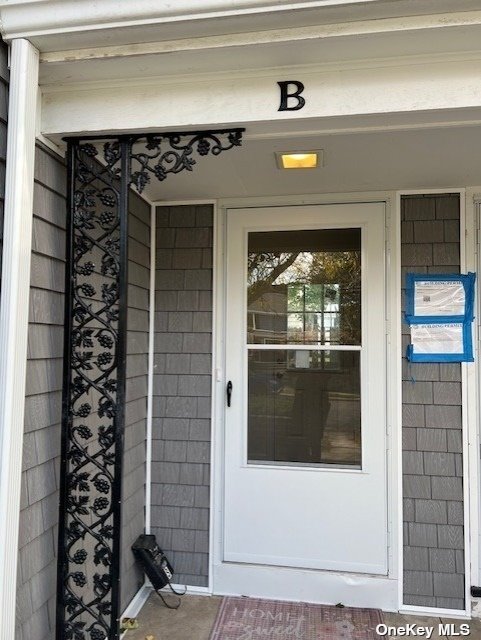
304,287
304,407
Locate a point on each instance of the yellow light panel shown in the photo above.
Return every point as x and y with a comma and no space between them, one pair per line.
299,160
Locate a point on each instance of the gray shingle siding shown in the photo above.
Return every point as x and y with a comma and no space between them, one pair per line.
133,486
182,389
432,464
39,514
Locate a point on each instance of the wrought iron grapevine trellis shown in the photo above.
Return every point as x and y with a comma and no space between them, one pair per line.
101,174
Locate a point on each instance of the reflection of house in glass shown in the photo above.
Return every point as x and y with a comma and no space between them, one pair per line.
313,313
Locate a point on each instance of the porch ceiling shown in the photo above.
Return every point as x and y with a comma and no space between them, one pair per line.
412,159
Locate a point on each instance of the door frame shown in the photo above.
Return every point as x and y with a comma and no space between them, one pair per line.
393,582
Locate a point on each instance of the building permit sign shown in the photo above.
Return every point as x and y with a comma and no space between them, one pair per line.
439,310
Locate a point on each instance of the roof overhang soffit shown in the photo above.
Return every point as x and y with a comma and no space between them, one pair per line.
65,25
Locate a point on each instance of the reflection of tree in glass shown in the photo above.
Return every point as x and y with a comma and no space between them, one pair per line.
263,269
292,273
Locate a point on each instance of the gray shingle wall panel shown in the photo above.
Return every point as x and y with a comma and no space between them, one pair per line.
413,255
409,439
439,464
47,443
408,510
427,231
205,301
451,537
413,463
42,410
419,208
133,474
418,392
182,388
431,440
451,230
418,583
420,601
416,559
446,254
455,513
416,486
443,416
455,441
450,372
446,488
49,172
448,585
450,603
447,208
447,393
426,371
459,561
442,560
432,420
421,535
431,511
39,513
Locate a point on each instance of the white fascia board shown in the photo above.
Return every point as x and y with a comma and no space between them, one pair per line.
43,16
63,24
296,35
254,98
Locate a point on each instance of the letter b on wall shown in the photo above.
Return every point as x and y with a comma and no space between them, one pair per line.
291,99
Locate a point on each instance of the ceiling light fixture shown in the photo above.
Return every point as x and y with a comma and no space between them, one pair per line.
299,159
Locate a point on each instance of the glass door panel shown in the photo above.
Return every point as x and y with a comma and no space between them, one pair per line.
304,287
304,407
304,404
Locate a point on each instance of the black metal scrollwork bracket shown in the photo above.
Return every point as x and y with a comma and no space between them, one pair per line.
101,173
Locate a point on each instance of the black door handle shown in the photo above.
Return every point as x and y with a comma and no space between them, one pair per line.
229,392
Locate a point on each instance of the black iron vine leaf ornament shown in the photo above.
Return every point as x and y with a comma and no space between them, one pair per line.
170,153
88,518
101,175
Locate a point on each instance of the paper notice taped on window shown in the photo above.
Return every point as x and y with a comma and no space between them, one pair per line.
437,338
439,298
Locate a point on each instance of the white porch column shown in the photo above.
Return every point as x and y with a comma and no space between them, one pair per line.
14,311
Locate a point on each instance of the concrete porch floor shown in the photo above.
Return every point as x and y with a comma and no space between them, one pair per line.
196,615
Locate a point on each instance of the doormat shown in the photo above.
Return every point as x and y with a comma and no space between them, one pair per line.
257,619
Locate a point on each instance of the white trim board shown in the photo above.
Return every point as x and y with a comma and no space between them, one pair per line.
135,605
394,384
473,263
435,611
14,309
150,373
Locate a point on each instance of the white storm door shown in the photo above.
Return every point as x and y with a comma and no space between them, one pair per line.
305,447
